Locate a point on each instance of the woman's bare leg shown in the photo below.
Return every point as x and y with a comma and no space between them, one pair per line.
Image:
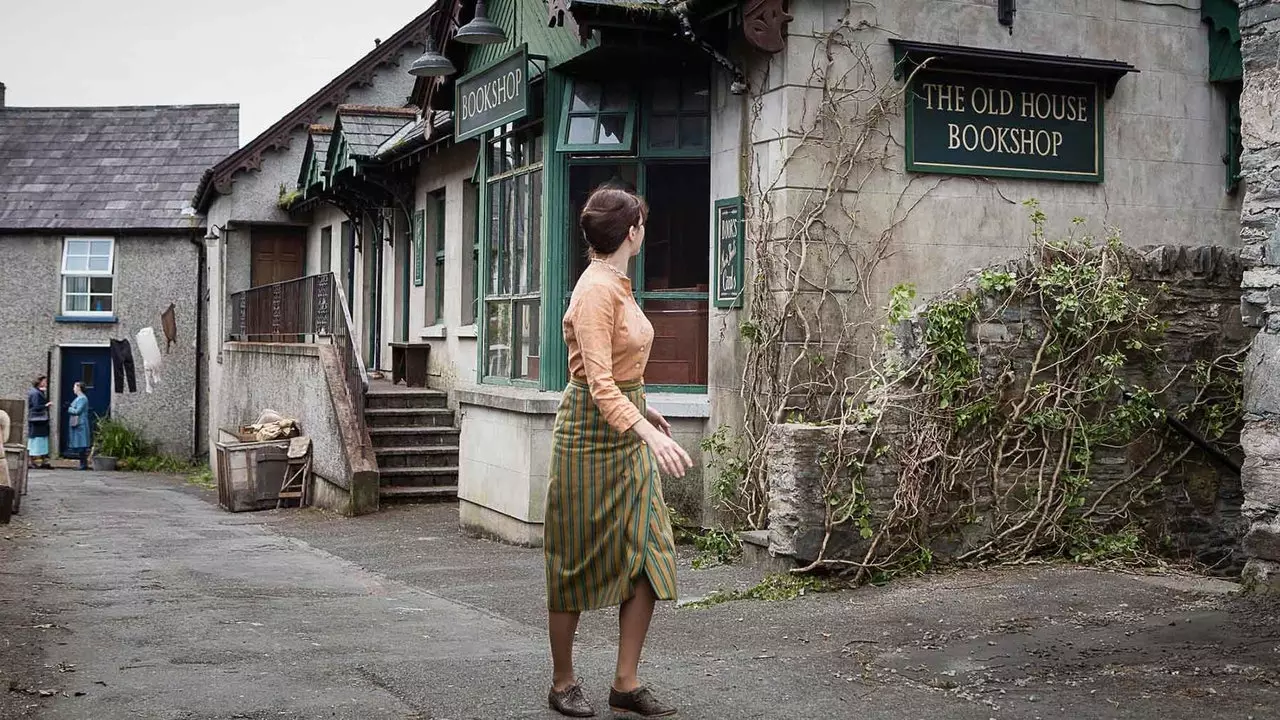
633,626
562,625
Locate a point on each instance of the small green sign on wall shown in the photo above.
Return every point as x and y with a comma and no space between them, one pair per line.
962,122
730,244
419,249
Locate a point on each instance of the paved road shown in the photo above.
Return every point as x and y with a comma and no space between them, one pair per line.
137,592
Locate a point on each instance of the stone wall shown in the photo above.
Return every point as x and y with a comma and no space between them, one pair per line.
1195,508
1260,232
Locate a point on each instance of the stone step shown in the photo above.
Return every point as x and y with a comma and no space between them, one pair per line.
418,398
385,437
409,456
441,493
408,417
418,476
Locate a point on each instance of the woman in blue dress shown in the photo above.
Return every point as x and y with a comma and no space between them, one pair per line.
38,423
78,439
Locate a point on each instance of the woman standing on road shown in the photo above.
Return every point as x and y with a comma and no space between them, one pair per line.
607,537
38,423
78,427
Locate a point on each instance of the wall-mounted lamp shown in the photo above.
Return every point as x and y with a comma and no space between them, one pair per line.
480,31
1005,10
214,233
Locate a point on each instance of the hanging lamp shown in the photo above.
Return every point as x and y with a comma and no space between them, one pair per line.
481,30
432,63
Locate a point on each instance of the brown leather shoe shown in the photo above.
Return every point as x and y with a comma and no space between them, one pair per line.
639,702
571,701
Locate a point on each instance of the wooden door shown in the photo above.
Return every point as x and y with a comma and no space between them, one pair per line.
279,254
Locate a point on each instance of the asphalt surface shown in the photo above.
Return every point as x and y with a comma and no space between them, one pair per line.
129,596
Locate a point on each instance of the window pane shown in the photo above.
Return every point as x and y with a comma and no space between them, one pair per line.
693,131
495,237
536,155
677,236
497,339
697,96
517,231
586,97
617,98
100,285
666,97
509,212
77,303
101,248
100,303
77,284
662,132
582,180
612,128
77,247
527,317
86,375
582,130
77,263
99,264
535,232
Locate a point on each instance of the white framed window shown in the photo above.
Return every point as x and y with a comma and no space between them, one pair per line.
88,276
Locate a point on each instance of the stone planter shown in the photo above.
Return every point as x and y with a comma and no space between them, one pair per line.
104,463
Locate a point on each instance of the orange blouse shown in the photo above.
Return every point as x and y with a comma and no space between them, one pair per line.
609,340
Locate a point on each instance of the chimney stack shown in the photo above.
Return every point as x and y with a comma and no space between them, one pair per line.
1,94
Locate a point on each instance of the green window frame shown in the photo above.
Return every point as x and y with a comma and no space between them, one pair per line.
437,200
678,108
592,111
510,322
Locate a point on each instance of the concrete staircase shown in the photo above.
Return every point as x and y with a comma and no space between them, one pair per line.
415,442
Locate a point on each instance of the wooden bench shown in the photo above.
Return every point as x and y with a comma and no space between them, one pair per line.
409,362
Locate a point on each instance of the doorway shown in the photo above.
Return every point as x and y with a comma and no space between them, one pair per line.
671,274
92,367
279,254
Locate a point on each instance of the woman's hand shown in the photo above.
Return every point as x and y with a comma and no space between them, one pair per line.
655,418
672,459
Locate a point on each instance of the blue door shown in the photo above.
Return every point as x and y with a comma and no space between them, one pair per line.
91,366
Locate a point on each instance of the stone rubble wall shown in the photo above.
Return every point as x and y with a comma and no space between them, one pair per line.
1260,304
1198,506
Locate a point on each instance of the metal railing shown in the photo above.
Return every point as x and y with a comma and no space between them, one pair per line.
311,309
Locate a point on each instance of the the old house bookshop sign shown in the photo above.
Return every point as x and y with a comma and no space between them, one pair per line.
971,123
492,97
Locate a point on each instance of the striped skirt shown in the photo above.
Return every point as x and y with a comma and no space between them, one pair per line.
606,521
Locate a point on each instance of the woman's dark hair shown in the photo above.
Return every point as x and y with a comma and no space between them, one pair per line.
610,212
39,379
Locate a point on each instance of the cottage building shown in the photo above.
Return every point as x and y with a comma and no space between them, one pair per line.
98,241
827,149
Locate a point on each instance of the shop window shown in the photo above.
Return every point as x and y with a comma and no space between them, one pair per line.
513,283
678,116
598,117
88,276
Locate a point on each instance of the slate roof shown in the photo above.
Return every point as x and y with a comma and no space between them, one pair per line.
413,136
366,127
108,168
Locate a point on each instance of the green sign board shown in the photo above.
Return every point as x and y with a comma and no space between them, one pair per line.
492,97
970,123
730,244
419,251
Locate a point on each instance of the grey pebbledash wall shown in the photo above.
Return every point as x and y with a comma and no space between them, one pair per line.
1196,507
151,272
1260,232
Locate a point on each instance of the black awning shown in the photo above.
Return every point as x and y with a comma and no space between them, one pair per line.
909,55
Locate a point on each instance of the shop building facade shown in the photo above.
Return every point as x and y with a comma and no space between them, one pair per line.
819,132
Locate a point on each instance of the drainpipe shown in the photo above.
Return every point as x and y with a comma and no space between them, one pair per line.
201,281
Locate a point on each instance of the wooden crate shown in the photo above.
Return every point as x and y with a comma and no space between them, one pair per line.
250,474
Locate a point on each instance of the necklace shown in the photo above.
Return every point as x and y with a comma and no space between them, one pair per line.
612,269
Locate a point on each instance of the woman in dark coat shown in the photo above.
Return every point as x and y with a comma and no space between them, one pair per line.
38,423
